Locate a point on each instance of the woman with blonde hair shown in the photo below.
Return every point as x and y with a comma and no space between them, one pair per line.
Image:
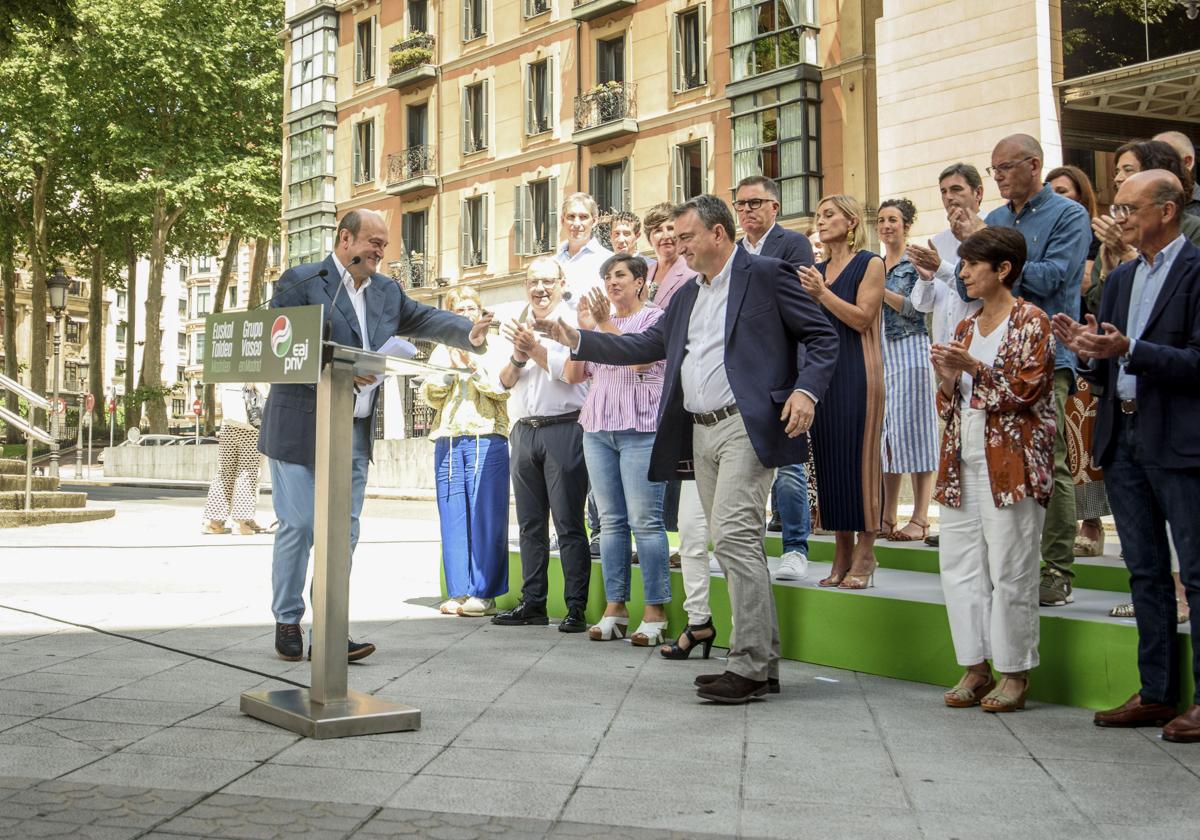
470,435
848,425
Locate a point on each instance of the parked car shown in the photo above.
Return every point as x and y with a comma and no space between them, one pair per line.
192,441
143,440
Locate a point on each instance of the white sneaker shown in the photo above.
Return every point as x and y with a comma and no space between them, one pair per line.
713,566
792,566
554,542
477,607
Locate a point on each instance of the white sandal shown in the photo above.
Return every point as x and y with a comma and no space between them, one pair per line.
610,627
450,606
649,633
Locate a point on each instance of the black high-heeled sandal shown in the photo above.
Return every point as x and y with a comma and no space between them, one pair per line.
674,651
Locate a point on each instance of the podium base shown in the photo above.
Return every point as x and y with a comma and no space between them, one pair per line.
360,714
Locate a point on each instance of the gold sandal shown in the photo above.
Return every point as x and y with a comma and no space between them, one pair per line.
1001,701
964,697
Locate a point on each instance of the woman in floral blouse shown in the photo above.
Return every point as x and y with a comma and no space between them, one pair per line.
996,394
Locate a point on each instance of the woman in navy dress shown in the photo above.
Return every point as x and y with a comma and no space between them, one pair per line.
846,430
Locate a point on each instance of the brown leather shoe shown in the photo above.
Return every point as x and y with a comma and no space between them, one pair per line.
1136,713
732,689
1184,729
709,679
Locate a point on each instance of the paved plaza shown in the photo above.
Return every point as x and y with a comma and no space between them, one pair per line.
134,732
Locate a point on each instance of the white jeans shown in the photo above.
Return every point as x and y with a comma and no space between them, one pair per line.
990,560
693,553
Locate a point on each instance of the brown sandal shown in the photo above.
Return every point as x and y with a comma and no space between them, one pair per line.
900,536
964,697
887,532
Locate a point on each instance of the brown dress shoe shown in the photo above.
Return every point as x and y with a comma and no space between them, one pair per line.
1135,713
709,679
1184,729
732,689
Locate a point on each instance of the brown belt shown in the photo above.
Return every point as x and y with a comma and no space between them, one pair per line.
712,418
1129,406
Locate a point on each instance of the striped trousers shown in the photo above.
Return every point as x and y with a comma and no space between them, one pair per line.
233,492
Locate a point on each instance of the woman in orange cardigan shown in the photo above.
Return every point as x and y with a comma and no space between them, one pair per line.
996,394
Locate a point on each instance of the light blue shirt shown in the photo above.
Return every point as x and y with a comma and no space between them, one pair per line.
1148,279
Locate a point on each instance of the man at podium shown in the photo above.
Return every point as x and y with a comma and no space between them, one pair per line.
362,309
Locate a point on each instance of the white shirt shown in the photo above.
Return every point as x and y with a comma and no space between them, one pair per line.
756,249
537,393
705,383
358,299
939,295
984,349
583,269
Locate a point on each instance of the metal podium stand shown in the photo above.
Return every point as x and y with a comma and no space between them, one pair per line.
329,709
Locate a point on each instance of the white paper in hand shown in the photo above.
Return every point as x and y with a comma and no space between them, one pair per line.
394,346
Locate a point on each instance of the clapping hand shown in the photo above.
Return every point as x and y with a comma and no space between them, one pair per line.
479,329
924,259
1090,340
1108,232
953,357
812,281
964,223
523,338
558,330
583,313
599,305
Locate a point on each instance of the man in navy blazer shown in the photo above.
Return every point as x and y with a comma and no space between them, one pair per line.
736,404
363,309
1145,354
757,202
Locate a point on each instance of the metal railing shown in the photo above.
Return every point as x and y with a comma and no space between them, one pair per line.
410,273
27,428
413,51
413,162
605,103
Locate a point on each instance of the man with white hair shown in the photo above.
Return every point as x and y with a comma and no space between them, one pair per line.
1181,143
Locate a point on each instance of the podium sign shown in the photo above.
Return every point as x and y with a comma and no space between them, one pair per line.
264,345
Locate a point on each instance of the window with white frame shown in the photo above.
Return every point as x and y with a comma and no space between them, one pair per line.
539,97
474,229
364,50
475,117
536,217
609,185
533,8
474,19
770,34
418,16
776,132
610,60
364,152
314,62
690,170
690,48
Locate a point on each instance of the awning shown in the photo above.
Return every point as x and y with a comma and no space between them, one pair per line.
1162,89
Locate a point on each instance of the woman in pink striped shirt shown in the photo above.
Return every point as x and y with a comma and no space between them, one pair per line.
619,419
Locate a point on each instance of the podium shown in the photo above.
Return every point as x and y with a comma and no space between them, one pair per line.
327,709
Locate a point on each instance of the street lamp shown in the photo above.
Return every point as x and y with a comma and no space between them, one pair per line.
56,288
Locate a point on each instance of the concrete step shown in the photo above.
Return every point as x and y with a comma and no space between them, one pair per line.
16,501
52,516
15,483
12,466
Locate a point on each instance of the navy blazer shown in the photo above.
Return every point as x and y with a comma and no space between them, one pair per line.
787,245
1166,362
289,423
767,316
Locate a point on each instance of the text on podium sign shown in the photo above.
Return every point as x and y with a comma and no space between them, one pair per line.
264,345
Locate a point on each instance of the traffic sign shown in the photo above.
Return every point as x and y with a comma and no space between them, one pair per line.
197,408
60,407
91,403
112,405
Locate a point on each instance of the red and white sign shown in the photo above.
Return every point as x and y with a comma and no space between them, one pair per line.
112,405
90,403
197,408
60,406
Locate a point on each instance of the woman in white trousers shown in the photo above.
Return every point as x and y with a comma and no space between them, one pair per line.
996,394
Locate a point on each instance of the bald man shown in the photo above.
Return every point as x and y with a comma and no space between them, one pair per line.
1057,234
1144,352
1181,143
364,309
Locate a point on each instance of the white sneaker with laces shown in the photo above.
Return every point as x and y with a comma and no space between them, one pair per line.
713,566
792,566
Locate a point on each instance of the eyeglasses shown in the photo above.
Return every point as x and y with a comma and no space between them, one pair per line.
548,282
1121,212
751,203
1006,166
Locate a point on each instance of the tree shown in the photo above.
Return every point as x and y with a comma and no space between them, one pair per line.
54,17
1128,27
192,90
8,278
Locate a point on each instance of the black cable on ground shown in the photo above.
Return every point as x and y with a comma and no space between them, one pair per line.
149,643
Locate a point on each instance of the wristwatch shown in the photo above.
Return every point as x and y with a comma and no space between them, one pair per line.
515,363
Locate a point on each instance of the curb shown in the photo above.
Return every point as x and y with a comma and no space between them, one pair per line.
395,494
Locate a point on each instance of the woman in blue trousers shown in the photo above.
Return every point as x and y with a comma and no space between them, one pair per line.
470,434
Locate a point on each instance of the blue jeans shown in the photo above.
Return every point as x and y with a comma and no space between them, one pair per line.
292,490
472,498
618,463
791,503
1143,500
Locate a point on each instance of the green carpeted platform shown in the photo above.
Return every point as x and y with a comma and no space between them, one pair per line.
899,628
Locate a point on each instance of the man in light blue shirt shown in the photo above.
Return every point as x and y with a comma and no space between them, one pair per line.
1057,234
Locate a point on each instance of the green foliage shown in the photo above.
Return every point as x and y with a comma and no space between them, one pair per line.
1102,35
54,17
409,58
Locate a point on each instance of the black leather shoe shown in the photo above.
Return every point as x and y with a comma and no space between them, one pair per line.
523,613
776,524
289,642
933,540
709,679
354,650
594,546
574,622
732,689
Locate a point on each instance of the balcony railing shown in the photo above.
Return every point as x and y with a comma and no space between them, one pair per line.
592,9
410,272
413,51
413,162
606,103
